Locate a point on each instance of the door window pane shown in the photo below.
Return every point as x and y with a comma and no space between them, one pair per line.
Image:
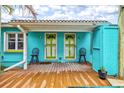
66,51
54,51
48,51
48,41
72,51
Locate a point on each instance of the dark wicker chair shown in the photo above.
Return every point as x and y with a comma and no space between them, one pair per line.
35,55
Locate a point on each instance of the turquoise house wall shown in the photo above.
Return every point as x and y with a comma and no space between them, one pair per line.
38,39
105,49
10,58
96,49
83,40
110,49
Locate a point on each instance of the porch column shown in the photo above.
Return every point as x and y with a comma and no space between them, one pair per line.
25,51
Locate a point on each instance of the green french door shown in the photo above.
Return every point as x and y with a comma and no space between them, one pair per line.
50,45
69,46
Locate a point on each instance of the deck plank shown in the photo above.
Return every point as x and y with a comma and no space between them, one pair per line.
55,75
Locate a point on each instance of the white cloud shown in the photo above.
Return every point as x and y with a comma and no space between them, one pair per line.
5,17
108,9
71,13
58,16
44,9
18,12
64,8
54,7
36,7
100,13
108,13
41,10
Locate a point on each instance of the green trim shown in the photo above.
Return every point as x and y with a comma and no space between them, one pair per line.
51,45
70,45
14,51
51,57
69,38
69,57
50,37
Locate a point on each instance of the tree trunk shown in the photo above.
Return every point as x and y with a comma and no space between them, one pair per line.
0,41
121,43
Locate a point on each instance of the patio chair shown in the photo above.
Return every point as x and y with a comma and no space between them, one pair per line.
82,53
34,55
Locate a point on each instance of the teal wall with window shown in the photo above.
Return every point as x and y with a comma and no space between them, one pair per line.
8,57
38,39
103,52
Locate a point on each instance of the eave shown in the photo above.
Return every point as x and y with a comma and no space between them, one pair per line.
57,25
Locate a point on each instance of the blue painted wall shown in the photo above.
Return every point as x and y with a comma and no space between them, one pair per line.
96,49
105,48
10,58
38,39
110,49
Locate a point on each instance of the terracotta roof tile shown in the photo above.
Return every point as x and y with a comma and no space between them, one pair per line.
60,21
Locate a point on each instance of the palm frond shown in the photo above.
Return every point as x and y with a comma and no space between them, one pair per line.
22,8
8,8
31,10
26,9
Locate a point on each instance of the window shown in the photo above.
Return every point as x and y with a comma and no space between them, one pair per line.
13,41
69,44
50,47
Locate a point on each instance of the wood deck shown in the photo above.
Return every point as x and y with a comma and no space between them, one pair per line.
56,75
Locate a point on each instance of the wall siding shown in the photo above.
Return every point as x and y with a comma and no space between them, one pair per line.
105,49
38,39
110,49
10,58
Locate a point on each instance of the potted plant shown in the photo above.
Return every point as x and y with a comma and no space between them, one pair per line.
102,73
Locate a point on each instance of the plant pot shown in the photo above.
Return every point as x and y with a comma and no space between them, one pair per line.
99,71
102,74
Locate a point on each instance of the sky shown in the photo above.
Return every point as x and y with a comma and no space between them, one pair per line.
66,12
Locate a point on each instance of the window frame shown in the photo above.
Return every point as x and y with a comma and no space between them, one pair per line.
6,42
65,47
45,47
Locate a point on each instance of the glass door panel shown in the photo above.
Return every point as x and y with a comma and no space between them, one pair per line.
50,46
70,46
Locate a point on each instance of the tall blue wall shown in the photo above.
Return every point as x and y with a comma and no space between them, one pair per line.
105,48
110,49
38,40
